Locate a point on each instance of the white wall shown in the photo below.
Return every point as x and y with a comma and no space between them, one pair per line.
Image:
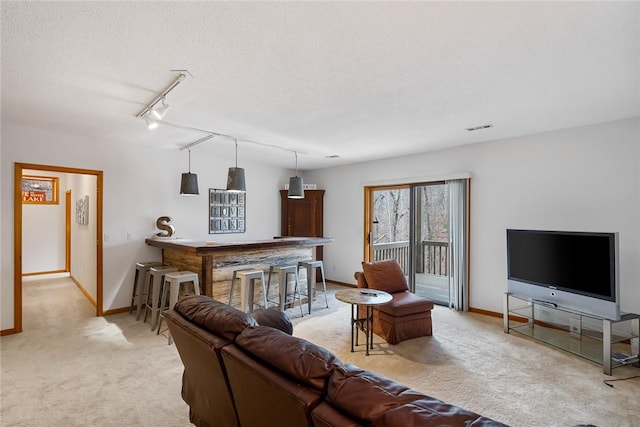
83,236
140,184
43,231
584,179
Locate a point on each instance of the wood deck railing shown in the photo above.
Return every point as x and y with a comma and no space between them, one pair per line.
393,250
433,257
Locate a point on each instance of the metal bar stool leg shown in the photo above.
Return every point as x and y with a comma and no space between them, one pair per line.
296,290
324,285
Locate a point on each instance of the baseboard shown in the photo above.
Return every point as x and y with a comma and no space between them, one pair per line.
486,312
116,311
84,291
335,282
40,275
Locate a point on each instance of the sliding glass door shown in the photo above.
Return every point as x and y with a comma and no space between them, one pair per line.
425,227
430,241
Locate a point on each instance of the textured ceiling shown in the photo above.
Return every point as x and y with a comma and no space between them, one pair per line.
360,80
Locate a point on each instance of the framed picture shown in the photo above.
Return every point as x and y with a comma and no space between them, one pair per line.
82,210
39,190
226,211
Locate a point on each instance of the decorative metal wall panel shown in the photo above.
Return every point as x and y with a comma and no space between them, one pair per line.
226,211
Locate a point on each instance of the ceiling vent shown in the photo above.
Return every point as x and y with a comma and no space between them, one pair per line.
479,127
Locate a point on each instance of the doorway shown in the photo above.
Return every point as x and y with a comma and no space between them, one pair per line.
18,234
424,226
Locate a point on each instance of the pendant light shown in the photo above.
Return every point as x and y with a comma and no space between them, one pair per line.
235,179
296,190
189,183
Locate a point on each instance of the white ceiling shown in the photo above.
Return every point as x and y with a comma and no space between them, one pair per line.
361,80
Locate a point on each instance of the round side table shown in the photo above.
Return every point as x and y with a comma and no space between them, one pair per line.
369,298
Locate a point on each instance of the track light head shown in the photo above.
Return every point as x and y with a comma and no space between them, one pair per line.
151,122
159,112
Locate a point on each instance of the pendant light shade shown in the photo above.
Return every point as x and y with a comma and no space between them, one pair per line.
296,188
296,191
235,178
189,182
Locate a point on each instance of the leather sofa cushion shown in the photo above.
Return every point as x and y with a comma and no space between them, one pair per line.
301,360
385,276
366,395
274,318
215,316
406,303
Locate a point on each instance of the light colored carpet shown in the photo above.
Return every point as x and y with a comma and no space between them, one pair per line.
70,368
470,362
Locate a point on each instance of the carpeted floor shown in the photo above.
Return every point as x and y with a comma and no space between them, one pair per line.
470,362
70,368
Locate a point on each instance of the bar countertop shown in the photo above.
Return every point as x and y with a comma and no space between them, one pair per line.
201,247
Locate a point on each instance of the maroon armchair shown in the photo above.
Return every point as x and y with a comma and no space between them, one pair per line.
407,315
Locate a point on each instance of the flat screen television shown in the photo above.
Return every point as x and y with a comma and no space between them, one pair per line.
577,270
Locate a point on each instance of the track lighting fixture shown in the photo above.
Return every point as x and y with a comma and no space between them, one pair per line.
189,182
296,187
149,112
235,179
154,115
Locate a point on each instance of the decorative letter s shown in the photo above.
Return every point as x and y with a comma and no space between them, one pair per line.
163,224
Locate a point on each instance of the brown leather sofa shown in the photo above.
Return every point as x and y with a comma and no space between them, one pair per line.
407,315
238,373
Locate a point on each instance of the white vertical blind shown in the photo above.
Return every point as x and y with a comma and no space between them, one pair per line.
458,244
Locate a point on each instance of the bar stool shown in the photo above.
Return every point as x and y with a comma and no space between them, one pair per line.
156,278
283,273
310,266
247,278
171,284
142,270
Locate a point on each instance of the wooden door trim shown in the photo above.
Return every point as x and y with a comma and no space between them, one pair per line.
67,233
368,215
17,236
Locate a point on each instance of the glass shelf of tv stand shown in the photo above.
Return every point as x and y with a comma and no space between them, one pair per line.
583,334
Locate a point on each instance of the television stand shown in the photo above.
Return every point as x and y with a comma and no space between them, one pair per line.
611,343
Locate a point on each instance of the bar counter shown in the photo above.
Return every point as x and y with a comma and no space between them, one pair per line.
215,261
